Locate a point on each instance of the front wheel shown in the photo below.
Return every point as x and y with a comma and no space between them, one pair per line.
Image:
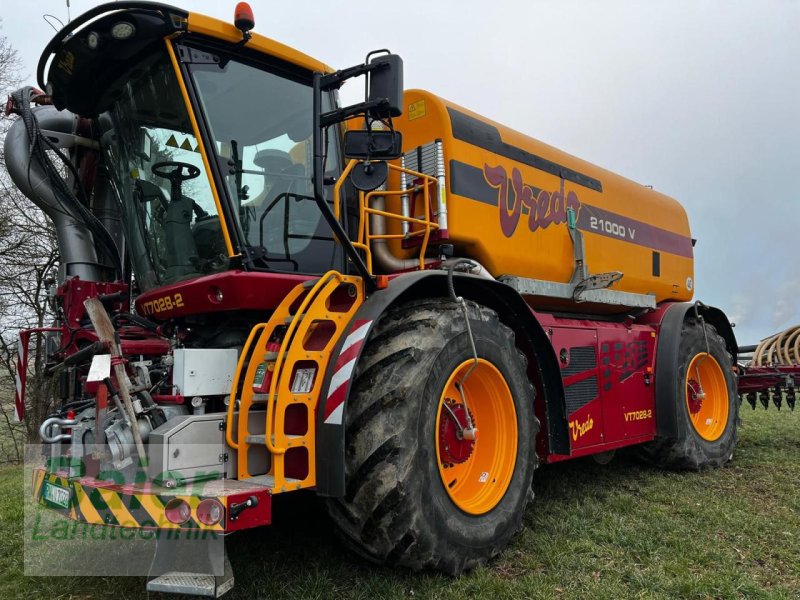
423,488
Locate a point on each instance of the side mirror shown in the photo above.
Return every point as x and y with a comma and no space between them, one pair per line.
386,82
373,145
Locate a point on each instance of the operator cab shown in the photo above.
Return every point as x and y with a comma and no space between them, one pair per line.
169,213
208,146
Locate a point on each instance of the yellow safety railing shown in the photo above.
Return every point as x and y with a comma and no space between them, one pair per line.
365,237
306,307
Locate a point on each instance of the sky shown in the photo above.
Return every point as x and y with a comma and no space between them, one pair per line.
700,99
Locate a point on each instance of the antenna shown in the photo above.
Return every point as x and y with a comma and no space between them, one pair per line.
48,18
68,17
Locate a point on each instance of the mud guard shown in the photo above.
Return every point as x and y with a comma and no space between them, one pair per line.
511,308
668,423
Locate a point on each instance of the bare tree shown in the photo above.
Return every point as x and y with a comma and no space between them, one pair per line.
28,254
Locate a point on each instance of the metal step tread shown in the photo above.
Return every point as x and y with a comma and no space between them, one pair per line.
261,438
269,480
195,584
259,398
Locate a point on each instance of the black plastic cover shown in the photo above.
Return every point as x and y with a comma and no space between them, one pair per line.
373,145
386,82
86,80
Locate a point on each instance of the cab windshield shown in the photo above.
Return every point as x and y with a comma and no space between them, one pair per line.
260,120
170,217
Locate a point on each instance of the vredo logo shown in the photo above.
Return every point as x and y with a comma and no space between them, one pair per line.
578,429
544,208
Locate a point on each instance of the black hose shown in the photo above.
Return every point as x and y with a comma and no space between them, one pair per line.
452,267
70,203
136,320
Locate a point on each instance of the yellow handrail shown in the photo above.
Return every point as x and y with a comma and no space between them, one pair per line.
337,189
427,225
235,386
277,374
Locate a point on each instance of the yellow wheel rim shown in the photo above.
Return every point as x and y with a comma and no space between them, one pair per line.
476,473
707,397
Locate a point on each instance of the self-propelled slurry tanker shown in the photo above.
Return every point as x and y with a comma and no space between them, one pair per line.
400,305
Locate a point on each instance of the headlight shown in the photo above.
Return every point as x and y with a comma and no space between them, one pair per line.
123,30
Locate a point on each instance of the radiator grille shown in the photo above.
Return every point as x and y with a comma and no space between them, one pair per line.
580,394
581,358
423,159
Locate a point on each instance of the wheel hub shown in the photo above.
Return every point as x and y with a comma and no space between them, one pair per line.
695,396
453,448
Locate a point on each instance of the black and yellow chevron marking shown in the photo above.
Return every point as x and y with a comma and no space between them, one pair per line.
104,506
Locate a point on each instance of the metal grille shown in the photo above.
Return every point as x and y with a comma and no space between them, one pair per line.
423,159
580,394
581,358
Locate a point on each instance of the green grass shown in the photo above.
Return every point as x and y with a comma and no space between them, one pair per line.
616,531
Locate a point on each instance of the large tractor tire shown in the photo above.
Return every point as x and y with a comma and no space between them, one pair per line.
418,493
708,405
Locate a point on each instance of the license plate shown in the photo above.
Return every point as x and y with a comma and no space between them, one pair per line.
55,495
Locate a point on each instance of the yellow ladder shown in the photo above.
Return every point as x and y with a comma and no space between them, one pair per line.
291,352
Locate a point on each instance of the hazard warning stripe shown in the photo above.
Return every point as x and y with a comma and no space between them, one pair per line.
20,376
343,371
105,506
117,507
143,516
38,479
154,509
86,510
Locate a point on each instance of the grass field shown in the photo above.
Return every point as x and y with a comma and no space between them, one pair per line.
616,531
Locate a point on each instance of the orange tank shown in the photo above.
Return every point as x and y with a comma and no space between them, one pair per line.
509,198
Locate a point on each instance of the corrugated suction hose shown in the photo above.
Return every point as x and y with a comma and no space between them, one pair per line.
782,348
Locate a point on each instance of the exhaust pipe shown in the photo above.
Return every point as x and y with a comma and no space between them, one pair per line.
390,263
387,261
75,240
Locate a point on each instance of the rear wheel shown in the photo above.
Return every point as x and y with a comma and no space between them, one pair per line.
422,490
707,403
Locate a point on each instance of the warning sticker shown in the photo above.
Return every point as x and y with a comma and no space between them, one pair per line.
303,381
416,110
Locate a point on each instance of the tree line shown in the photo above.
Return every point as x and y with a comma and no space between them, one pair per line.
28,263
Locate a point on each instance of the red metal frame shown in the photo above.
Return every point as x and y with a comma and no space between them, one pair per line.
761,379
228,291
607,370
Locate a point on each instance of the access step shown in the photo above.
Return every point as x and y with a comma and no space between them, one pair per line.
262,439
190,584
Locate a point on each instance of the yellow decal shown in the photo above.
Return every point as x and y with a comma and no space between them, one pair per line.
162,304
638,415
580,429
172,141
186,145
416,110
